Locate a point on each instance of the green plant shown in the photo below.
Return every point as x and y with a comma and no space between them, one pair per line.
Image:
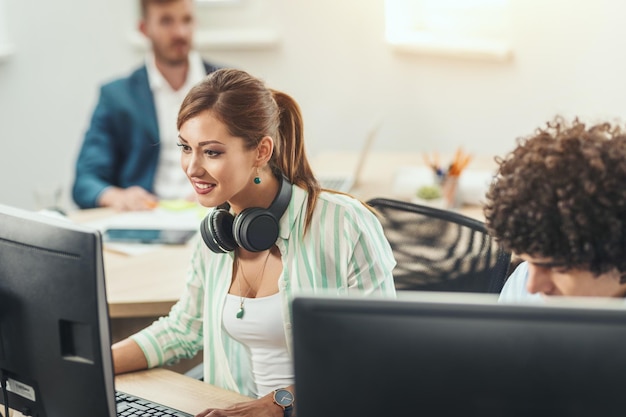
429,192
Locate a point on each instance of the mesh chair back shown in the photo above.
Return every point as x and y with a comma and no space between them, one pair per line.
441,250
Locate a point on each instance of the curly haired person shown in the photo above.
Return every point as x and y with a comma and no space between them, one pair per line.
559,202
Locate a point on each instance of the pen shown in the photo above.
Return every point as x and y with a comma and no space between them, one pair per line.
434,164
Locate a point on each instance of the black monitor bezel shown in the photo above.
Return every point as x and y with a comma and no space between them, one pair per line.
54,328
367,356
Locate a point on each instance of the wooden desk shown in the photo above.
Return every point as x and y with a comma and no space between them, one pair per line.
176,390
145,285
173,390
141,288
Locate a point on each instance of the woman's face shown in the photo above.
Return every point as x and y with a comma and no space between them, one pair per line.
217,164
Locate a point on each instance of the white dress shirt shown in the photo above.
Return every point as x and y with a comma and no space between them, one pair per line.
170,180
515,290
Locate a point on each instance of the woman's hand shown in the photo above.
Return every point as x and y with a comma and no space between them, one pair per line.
263,407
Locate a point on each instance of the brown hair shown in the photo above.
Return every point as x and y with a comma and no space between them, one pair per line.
561,194
252,111
145,4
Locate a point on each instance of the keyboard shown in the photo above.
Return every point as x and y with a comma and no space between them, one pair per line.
132,406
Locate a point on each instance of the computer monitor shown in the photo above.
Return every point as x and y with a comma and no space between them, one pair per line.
431,356
55,345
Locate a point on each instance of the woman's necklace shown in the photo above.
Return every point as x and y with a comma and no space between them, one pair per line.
242,297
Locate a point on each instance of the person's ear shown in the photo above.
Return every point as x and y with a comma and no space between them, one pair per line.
142,27
265,149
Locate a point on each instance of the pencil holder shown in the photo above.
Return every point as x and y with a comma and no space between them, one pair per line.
449,191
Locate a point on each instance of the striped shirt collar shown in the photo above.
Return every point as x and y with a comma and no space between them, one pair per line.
296,208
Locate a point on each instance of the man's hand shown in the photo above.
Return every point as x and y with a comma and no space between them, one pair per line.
132,198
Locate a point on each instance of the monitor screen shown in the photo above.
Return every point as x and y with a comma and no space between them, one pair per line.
55,350
425,356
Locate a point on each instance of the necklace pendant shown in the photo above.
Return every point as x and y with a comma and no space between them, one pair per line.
240,313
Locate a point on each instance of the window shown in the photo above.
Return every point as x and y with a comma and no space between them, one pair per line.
478,28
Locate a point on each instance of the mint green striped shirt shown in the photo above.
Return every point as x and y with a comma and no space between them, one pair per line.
344,252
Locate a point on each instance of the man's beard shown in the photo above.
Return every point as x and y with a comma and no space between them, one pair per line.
173,59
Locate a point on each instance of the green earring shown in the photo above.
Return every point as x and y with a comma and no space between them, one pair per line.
257,179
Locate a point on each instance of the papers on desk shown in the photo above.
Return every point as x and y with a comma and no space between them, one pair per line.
159,218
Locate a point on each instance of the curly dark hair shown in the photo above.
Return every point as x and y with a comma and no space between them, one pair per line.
561,194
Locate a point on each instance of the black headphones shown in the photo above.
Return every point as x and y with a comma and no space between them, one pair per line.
254,229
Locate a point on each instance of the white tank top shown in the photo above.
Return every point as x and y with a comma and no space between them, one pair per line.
262,330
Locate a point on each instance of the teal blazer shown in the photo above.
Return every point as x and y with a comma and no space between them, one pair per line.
121,147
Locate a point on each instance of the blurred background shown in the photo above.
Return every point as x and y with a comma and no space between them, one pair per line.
440,75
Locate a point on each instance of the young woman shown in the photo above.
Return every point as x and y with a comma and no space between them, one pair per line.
272,234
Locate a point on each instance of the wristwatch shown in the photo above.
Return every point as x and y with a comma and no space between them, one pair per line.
284,399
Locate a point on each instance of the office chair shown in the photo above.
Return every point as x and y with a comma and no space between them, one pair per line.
441,250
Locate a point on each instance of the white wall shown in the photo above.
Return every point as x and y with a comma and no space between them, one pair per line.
332,57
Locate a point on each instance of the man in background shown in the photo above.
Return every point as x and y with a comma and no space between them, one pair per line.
559,202
129,158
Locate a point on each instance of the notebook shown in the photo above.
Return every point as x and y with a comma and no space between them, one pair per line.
345,182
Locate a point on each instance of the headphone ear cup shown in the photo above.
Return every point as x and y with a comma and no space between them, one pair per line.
255,229
216,230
